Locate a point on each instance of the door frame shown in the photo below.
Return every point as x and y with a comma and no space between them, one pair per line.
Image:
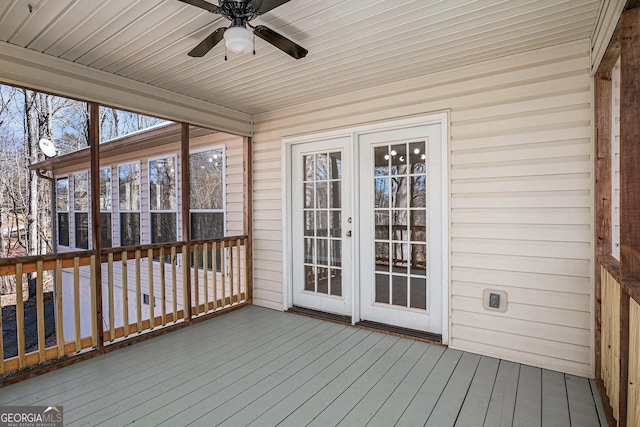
441,118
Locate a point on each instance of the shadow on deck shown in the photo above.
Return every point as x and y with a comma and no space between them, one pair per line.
256,366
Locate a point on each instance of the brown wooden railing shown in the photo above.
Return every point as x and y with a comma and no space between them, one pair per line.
143,288
619,324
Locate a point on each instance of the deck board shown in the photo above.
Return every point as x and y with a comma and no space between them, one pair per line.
261,367
528,409
475,406
503,397
555,407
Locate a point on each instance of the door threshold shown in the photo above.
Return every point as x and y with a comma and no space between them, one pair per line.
320,314
404,332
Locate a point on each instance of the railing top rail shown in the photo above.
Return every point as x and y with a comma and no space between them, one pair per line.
7,265
168,245
612,265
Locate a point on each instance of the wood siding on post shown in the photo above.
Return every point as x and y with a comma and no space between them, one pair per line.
521,201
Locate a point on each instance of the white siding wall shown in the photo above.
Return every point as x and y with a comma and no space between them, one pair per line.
521,196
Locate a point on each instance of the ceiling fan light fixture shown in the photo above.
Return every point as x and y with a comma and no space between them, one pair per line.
239,39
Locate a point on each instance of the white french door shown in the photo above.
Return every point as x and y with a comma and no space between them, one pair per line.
321,225
368,223
401,218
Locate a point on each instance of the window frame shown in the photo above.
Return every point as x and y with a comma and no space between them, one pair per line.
222,210
151,211
76,211
139,210
110,210
67,211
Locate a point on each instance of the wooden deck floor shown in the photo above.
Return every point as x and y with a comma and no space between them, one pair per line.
260,367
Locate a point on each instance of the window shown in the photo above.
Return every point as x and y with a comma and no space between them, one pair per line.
129,203
163,200
207,195
81,209
105,208
62,205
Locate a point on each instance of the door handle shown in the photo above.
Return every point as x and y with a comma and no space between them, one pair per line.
349,233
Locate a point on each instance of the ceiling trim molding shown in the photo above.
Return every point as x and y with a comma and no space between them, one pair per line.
604,28
35,70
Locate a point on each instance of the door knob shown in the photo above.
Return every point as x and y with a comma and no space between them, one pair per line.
349,233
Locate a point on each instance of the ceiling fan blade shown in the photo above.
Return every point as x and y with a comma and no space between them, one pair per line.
207,44
264,6
203,5
279,41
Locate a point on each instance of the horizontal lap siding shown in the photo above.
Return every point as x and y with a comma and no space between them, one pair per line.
521,197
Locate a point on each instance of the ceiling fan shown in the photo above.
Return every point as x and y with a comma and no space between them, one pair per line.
238,38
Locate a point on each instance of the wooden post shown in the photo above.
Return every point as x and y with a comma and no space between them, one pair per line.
186,219
629,178
247,165
94,172
603,97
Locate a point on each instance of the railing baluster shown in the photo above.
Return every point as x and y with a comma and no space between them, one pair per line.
186,288
222,275
163,295
239,262
214,273
205,276
196,285
125,294
40,310
94,301
231,260
20,317
174,281
138,293
231,295
151,290
112,322
58,309
246,269
76,303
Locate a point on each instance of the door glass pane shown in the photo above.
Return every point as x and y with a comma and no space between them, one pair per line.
322,218
399,290
382,256
382,288
417,157
400,218
323,280
336,225
322,167
309,195
398,159
382,159
381,197
336,282
418,294
334,196
335,165
309,278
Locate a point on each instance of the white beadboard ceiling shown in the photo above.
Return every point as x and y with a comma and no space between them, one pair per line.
353,44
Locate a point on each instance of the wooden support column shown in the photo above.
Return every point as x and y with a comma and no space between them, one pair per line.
186,217
94,173
247,165
603,96
629,179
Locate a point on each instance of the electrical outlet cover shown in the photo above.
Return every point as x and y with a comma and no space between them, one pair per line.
494,300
